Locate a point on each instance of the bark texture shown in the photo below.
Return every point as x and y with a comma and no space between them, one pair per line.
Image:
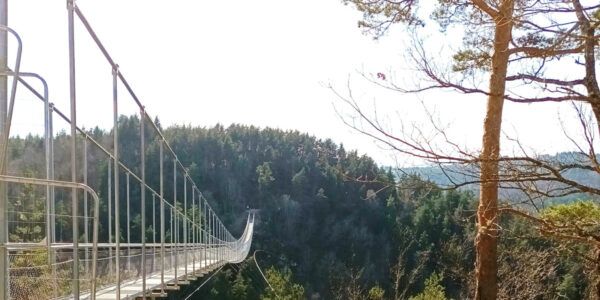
486,242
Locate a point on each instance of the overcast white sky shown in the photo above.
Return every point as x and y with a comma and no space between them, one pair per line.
262,62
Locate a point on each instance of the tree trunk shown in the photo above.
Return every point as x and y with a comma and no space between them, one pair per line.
590,81
486,242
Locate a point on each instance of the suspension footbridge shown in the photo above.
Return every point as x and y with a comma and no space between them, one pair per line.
100,227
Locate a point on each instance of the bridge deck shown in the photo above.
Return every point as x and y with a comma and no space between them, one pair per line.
133,288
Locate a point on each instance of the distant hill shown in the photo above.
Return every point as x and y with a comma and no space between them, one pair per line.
431,173
585,177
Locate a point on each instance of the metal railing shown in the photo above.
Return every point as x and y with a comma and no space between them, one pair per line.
49,245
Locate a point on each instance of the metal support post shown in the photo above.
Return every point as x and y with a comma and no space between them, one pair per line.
221,242
194,228
216,237
203,229
4,264
209,232
215,242
176,232
110,232
212,233
85,204
127,225
206,231
185,223
211,227
153,233
115,73
172,229
52,224
154,219
162,219
142,197
72,93
52,197
47,137
200,228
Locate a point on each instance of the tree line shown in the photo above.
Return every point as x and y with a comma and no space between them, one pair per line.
339,226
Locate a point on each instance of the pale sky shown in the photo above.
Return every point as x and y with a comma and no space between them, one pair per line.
263,63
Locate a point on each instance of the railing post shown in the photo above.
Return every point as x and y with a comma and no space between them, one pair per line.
153,232
115,73
162,220
72,93
110,232
52,223
218,238
221,244
172,225
95,246
47,137
212,233
185,225
199,230
217,241
85,203
142,198
216,234
194,229
52,197
209,232
175,231
202,231
127,225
